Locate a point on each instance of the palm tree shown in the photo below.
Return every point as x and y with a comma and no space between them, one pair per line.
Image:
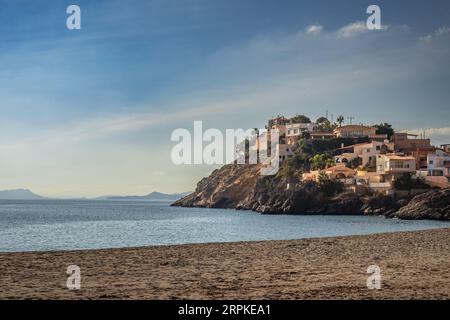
340,119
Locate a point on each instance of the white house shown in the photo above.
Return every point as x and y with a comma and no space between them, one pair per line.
438,164
285,151
297,129
394,164
366,151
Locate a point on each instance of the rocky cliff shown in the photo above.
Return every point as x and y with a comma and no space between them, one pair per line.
430,205
242,187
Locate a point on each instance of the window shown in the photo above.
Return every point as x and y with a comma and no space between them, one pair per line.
378,148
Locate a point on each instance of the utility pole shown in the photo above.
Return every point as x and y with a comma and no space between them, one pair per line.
351,118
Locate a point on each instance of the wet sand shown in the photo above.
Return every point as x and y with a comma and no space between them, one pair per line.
414,265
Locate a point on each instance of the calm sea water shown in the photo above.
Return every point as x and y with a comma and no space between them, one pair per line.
66,225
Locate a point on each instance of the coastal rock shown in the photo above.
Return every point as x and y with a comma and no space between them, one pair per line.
242,187
433,204
226,187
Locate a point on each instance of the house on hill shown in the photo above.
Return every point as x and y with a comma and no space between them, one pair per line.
367,152
403,143
438,169
355,131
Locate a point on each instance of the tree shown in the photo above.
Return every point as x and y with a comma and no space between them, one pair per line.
385,128
320,161
322,120
328,186
355,163
324,124
300,118
339,120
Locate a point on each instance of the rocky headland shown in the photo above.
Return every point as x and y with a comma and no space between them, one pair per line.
241,187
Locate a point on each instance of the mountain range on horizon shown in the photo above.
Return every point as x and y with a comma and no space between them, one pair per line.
19,194
152,196
25,194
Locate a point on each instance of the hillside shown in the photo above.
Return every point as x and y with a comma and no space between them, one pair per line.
242,187
153,196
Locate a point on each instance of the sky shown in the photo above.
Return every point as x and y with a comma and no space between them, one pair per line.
90,112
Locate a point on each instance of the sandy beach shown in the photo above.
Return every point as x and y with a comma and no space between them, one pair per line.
414,265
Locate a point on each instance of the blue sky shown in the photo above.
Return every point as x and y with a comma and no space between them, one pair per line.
89,112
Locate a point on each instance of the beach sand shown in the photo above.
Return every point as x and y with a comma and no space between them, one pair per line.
414,265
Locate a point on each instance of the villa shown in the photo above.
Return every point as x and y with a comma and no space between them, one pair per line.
295,131
402,142
392,164
446,147
366,151
438,169
355,131
380,161
338,172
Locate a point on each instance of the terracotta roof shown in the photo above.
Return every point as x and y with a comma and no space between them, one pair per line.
355,126
398,157
322,134
340,168
354,145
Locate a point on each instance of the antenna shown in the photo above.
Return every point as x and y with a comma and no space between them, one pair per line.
351,118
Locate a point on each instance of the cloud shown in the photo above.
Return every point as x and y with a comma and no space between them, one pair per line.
352,29
437,135
241,85
314,29
437,33
355,29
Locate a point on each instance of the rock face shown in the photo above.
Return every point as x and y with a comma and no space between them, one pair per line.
224,188
433,204
242,187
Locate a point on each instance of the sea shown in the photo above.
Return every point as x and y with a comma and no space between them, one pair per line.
49,225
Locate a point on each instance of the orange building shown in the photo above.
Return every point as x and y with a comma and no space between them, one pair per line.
355,131
403,143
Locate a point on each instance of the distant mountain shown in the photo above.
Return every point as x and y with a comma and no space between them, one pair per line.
153,196
18,194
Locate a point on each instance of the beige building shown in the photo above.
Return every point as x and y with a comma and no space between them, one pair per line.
395,164
355,131
366,151
404,143
339,172
285,152
297,129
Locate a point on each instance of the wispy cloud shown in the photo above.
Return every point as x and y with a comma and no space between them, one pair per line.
308,71
437,33
352,29
437,135
314,29
355,29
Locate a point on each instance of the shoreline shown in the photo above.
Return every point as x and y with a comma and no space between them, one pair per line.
60,251
414,265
